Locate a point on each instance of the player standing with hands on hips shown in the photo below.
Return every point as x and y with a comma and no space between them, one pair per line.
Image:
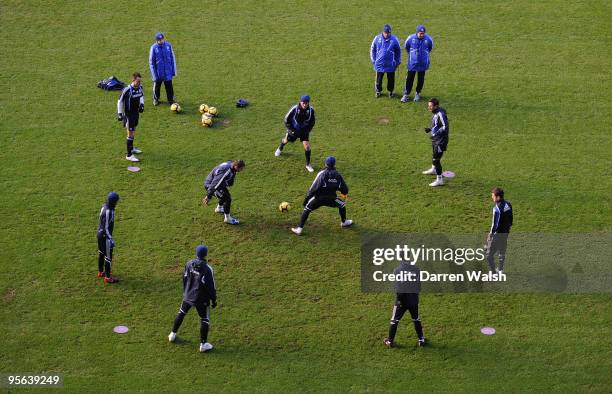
198,290
299,121
106,244
439,139
129,106
323,193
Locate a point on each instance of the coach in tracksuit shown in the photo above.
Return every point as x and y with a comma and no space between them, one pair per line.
418,46
439,130
106,244
406,299
162,63
386,56
299,121
497,240
323,193
129,106
199,291
217,183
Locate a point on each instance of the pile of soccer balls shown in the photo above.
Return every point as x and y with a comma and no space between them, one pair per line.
208,113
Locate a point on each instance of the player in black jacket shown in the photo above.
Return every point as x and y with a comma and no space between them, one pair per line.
299,122
323,193
406,299
439,130
497,240
106,244
199,291
217,183
129,106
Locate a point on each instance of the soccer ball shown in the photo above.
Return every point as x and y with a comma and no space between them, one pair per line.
203,108
176,108
284,206
213,111
207,121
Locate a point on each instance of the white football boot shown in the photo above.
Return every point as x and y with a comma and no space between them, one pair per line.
229,219
205,347
297,230
172,337
132,158
346,223
219,209
309,168
431,171
278,152
438,182
405,98
417,97
136,150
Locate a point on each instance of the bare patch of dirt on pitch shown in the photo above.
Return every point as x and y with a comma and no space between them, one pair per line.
383,121
9,296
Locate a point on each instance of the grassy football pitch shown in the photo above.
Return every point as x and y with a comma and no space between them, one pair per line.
526,86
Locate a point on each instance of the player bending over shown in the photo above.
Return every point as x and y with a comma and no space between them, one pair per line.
217,183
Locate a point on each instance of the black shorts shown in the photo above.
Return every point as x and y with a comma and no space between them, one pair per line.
222,194
406,303
317,202
293,136
201,307
438,150
130,121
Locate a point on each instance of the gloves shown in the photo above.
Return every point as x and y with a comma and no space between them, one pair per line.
119,117
141,108
427,129
214,304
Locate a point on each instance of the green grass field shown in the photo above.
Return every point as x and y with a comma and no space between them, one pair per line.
526,86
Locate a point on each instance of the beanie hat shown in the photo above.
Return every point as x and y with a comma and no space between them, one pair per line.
201,251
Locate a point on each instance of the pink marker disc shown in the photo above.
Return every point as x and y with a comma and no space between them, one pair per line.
133,169
121,329
448,174
487,330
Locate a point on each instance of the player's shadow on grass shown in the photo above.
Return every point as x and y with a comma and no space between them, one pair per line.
179,341
412,346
